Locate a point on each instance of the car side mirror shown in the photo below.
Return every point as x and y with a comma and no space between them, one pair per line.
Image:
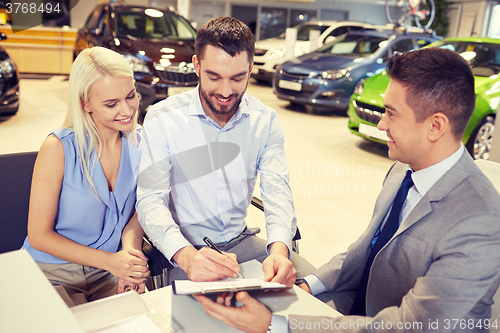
3,36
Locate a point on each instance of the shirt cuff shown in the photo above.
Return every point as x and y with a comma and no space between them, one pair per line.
315,284
171,244
278,236
279,324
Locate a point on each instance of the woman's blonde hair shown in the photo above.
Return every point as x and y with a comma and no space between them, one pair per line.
92,65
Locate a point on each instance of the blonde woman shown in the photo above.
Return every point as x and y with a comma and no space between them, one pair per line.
82,228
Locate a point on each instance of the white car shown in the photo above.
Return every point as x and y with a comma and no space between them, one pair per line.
271,52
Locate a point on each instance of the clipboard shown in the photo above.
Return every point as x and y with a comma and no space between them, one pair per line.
186,287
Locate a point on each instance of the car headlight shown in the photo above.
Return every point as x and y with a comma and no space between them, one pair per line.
358,89
137,64
7,67
280,53
333,74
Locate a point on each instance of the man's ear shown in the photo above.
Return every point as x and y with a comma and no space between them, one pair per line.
251,68
196,64
439,124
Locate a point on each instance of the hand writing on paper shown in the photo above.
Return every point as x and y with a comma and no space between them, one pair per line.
206,264
251,317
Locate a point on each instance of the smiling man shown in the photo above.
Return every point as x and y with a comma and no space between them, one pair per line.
203,150
429,260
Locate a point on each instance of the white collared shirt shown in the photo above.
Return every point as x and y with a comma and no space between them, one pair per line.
197,179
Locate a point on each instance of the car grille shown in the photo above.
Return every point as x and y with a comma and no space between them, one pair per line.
368,112
178,75
260,52
186,78
293,76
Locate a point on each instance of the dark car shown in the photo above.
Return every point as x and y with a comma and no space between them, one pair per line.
158,44
9,83
324,80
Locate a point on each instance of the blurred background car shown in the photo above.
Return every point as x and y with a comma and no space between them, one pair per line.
158,44
323,80
271,52
366,107
9,83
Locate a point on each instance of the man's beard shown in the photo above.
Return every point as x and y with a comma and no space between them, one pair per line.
224,110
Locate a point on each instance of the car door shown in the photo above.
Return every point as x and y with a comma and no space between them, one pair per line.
84,32
340,31
94,30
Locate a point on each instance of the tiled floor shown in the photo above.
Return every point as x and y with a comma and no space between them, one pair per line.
335,176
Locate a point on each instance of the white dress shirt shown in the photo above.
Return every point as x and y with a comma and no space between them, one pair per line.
197,179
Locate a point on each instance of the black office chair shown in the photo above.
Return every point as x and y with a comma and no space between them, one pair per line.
15,185
159,265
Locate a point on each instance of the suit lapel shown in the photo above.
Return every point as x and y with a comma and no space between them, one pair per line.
358,252
443,186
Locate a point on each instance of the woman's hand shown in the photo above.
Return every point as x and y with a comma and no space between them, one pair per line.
130,265
124,286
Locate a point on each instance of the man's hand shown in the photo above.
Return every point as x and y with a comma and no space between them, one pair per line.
251,317
206,264
277,267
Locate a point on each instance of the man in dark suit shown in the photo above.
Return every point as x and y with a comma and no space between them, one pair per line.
429,260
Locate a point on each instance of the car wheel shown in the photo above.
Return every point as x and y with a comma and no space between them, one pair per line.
479,144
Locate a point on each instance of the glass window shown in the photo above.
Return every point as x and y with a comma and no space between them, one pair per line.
302,15
404,45
156,24
273,21
353,45
494,26
303,30
338,31
93,19
484,58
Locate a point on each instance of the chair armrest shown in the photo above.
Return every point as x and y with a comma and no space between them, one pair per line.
156,260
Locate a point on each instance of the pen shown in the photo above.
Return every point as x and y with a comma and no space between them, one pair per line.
214,247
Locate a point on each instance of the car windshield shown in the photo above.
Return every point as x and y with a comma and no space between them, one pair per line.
153,24
353,45
303,31
484,58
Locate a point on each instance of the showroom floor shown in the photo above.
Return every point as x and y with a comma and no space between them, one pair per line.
335,176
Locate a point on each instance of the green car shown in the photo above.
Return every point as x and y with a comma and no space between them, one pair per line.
366,104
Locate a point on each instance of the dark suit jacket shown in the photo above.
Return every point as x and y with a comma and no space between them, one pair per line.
442,265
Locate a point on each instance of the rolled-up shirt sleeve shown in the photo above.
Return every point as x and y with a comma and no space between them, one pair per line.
153,188
275,187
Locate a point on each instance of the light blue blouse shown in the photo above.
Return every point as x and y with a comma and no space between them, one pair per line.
80,216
